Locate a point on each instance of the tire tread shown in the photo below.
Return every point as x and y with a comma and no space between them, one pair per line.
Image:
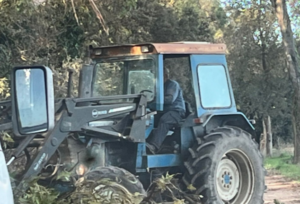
200,160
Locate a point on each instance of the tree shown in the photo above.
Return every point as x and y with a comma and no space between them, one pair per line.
258,73
293,64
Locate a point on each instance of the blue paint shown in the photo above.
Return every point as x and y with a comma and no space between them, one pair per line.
160,84
163,160
141,151
226,179
150,127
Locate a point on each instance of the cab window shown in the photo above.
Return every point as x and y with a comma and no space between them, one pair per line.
213,84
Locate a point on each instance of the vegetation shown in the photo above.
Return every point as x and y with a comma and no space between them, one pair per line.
106,191
293,65
284,165
39,194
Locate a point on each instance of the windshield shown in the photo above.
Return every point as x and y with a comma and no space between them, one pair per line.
125,76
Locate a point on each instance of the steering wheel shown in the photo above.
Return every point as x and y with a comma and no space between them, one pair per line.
149,91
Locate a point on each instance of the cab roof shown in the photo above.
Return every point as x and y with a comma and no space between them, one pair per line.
158,48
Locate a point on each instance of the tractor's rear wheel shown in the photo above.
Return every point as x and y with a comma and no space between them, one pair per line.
111,185
226,167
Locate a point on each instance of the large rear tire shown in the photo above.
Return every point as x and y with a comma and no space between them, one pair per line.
226,166
109,185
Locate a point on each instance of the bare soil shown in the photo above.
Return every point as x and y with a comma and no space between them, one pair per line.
282,189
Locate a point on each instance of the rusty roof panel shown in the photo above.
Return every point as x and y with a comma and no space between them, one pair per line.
190,48
163,48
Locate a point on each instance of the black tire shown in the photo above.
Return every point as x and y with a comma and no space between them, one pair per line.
226,167
111,185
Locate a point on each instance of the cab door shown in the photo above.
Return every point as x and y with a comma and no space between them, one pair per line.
211,81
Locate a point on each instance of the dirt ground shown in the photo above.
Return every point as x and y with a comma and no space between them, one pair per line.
282,189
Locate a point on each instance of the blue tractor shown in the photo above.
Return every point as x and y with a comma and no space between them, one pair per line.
102,133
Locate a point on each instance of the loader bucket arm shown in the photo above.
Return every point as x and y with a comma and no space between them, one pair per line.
72,119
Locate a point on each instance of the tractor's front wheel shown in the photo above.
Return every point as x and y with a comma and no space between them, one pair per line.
108,185
226,167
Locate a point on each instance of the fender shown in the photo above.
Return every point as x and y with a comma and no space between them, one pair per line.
236,119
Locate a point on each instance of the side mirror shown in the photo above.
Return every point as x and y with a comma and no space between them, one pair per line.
32,100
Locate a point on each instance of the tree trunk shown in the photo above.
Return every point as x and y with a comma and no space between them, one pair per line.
263,140
269,145
266,120
293,64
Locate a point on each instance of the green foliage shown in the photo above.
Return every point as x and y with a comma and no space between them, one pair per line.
294,7
4,88
6,139
258,67
64,176
277,202
38,194
284,165
104,191
168,186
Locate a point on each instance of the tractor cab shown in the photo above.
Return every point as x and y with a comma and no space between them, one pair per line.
199,68
134,69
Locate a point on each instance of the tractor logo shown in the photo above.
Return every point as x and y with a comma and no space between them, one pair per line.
96,113
40,161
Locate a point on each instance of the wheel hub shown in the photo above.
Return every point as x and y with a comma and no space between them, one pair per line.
228,179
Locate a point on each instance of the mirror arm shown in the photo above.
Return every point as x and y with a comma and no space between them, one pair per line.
21,147
5,126
52,141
